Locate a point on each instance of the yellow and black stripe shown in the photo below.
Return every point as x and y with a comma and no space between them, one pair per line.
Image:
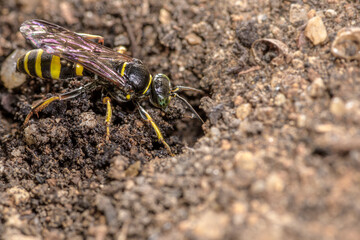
37,63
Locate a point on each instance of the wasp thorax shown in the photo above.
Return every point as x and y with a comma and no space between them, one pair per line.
138,75
160,91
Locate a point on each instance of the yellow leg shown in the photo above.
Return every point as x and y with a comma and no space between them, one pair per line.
106,100
39,107
148,118
65,96
95,38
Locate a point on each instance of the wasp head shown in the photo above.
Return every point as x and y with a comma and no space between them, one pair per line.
160,91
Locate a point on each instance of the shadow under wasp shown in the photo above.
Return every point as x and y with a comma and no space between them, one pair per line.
63,54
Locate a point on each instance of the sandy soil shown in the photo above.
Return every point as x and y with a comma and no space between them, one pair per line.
277,158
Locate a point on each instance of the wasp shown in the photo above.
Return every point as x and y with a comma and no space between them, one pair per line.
62,54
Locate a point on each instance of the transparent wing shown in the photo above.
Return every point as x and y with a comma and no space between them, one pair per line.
61,42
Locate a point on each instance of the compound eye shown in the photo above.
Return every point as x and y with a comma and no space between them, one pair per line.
163,101
161,89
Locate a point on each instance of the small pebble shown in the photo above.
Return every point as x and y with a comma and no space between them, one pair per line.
313,60
258,187
245,160
239,207
9,76
225,145
164,17
317,88
243,111
315,30
33,136
277,32
352,106
337,107
239,211
330,13
324,128
352,109
88,120
301,121
280,99
193,39
215,132
274,183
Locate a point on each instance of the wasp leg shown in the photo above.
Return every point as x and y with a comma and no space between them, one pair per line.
146,116
106,100
94,38
100,40
64,96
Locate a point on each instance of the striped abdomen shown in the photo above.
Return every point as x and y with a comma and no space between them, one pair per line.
38,63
